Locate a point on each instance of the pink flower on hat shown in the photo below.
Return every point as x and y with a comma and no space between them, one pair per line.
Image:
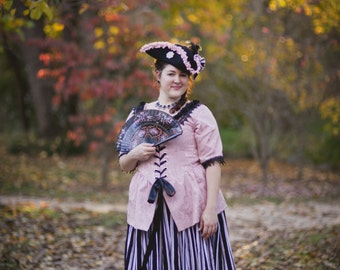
170,54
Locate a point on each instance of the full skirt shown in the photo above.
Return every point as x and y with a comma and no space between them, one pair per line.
174,250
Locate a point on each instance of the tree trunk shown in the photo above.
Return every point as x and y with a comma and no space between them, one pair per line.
41,89
106,154
72,34
20,79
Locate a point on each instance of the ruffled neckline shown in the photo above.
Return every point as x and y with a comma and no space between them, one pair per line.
180,116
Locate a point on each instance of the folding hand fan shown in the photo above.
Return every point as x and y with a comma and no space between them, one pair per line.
147,126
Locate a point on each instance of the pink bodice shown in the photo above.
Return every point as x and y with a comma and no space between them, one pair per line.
183,163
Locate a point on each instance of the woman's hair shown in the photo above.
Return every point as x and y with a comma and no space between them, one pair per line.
159,66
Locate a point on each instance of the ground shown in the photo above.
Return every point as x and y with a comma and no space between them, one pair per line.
68,222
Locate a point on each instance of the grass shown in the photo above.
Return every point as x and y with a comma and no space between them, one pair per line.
60,177
78,177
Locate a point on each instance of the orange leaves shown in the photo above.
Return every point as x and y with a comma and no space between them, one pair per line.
3,3
94,120
77,135
94,146
56,101
52,73
72,135
111,17
102,88
45,58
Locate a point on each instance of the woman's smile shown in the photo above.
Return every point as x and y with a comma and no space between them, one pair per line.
173,83
177,87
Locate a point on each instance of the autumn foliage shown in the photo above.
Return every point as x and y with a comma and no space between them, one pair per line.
271,65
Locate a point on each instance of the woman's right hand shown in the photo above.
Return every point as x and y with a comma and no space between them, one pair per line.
143,151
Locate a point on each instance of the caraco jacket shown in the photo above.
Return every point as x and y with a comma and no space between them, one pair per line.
182,161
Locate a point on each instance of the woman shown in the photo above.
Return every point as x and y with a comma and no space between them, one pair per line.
176,217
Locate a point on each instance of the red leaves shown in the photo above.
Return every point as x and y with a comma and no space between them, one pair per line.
265,30
94,129
112,17
77,135
94,120
102,88
98,79
45,58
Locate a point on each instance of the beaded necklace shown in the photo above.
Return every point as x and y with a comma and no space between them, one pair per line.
169,106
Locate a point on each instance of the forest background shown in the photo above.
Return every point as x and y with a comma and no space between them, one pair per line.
70,71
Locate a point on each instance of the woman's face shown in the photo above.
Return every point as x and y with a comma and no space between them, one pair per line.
173,82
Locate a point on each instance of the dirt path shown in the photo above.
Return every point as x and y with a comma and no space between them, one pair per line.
246,223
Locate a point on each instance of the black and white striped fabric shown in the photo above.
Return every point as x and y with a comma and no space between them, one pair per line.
185,250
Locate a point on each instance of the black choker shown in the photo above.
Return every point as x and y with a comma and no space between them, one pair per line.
170,106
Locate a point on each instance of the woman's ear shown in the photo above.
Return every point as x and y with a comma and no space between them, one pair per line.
158,75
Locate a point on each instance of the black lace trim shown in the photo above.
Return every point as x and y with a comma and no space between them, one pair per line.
210,162
139,107
184,114
121,154
181,116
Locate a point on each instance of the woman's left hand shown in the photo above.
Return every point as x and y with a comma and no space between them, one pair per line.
208,223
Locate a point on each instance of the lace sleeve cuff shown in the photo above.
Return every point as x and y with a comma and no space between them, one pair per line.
211,161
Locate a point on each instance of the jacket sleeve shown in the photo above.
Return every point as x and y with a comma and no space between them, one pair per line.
207,136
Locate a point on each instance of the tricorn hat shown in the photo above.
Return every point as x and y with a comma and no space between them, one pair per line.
181,57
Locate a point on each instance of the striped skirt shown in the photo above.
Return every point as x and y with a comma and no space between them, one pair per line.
173,250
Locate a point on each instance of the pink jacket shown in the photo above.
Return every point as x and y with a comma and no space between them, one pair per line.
185,160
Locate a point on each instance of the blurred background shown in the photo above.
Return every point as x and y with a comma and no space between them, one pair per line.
70,71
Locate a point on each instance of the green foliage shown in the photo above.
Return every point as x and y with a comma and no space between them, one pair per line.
31,145
39,8
265,58
236,143
11,21
283,52
325,151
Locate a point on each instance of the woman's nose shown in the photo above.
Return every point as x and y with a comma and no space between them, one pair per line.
177,78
